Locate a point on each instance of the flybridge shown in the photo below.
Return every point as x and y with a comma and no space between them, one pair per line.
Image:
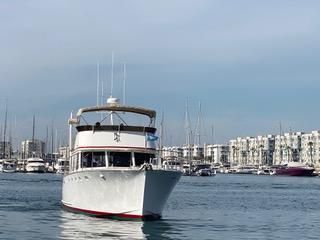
115,107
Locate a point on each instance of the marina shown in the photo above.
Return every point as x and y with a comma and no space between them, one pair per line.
227,206
159,120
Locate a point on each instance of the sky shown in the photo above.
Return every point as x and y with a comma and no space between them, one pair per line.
251,64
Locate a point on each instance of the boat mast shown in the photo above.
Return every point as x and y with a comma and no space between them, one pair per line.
111,90
10,140
198,127
47,136
188,133
98,82
124,84
5,129
280,145
56,144
33,130
52,141
70,135
161,139
212,136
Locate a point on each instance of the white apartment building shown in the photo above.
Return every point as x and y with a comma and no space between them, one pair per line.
288,148
192,152
234,151
216,153
240,151
266,146
31,148
172,152
310,148
251,150
197,152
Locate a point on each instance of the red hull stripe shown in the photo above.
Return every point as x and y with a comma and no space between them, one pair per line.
114,147
103,214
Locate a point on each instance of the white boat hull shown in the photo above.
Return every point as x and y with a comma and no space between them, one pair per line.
119,193
8,167
36,169
9,170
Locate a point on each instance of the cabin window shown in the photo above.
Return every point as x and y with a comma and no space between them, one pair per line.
141,158
86,159
98,159
119,159
93,159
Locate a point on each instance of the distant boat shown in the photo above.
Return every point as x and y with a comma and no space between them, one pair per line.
172,164
204,170
265,171
295,169
245,170
62,165
35,165
9,166
21,165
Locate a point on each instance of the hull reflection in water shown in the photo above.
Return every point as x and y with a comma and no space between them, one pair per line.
75,226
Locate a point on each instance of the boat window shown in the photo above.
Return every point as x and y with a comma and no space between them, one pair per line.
119,159
93,159
141,158
35,161
86,159
98,159
64,163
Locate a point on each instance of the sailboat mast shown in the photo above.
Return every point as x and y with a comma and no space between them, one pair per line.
212,135
33,131
280,145
188,132
98,82
46,143
111,90
198,127
124,84
161,139
4,130
161,133
52,141
10,140
70,136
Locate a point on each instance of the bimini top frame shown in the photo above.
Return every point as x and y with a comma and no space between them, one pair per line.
115,108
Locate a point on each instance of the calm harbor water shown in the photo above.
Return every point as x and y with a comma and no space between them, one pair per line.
221,207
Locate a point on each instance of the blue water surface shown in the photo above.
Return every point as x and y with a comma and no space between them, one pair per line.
221,207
